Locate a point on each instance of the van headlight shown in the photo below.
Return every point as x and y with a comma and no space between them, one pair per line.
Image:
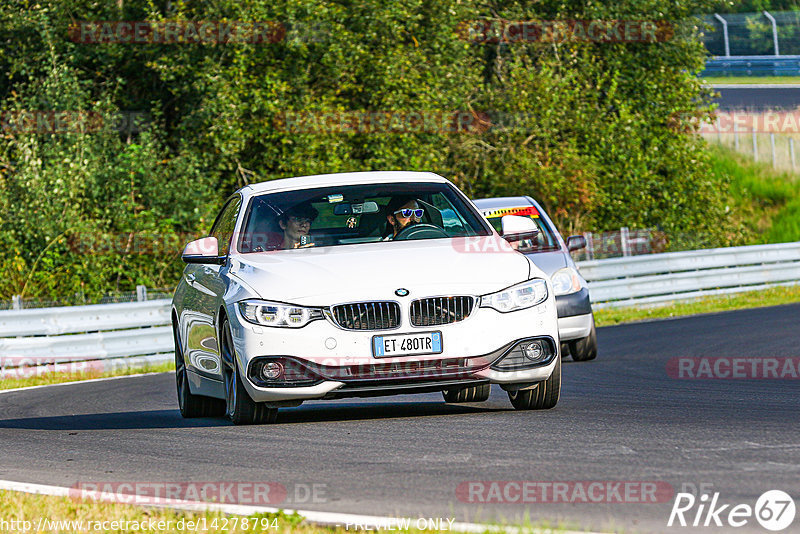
265,313
566,281
517,297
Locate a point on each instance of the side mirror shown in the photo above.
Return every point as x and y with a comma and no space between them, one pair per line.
516,228
204,250
576,242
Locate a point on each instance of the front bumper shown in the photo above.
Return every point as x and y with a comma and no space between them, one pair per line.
574,315
481,339
575,327
574,304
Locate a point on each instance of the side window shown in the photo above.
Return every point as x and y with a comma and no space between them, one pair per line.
452,222
226,224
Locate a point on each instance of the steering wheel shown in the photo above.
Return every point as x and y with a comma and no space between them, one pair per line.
420,231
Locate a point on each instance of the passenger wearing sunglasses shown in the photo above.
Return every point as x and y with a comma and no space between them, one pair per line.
296,223
402,212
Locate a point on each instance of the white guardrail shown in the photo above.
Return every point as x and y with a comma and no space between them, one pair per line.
109,336
96,338
654,278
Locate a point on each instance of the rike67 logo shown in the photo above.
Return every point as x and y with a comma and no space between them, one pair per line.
774,510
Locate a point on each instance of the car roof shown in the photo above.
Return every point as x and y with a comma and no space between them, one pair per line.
344,178
501,202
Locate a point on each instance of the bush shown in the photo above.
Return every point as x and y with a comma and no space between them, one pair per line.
599,132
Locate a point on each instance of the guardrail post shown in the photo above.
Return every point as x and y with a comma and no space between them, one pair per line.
774,31
589,246
755,146
141,293
623,240
16,302
772,147
791,152
735,137
724,34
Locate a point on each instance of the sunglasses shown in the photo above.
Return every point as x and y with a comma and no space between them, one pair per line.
418,213
300,220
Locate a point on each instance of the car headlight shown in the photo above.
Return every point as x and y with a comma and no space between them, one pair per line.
517,297
267,313
566,281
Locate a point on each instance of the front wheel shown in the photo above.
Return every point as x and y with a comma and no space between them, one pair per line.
239,407
542,397
585,349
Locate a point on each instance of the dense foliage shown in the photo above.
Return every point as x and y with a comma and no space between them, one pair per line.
598,131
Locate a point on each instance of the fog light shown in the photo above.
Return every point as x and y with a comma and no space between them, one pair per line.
533,351
272,370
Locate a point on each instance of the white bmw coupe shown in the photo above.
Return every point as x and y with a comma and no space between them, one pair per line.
357,285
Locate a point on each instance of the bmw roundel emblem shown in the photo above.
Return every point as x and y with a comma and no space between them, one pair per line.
401,292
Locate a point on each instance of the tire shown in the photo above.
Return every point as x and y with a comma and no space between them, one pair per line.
585,349
191,405
239,407
543,397
468,394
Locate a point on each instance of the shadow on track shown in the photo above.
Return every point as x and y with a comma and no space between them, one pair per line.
358,411
111,421
151,419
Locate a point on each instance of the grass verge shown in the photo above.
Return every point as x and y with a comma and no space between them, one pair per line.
765,202
739,301
46,513
64,514
57,378
750,79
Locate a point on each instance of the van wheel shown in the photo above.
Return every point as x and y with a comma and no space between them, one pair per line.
585,349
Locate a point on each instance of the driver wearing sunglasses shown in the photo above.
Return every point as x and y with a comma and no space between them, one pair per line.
402,212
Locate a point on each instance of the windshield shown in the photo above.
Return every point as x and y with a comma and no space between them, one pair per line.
546,240
345,215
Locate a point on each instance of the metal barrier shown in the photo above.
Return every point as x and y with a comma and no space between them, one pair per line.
752,66
108,336
73,319
655,278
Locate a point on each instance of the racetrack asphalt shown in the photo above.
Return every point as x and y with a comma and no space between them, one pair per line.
758,98
620,418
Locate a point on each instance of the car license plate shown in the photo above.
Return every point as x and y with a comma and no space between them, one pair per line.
407,344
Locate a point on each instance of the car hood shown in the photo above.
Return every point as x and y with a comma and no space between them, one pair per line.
374,271
549,262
